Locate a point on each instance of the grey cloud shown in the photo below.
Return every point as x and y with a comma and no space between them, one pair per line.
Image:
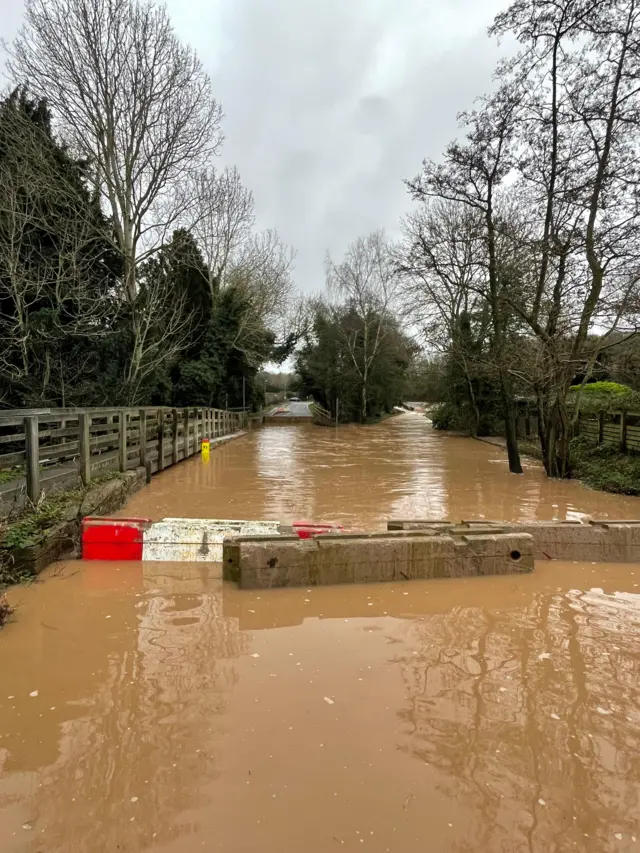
330,104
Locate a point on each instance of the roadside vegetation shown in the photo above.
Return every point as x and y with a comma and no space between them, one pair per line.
132,271
131,268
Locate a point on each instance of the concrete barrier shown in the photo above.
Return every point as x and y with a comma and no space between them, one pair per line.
595,541
259,562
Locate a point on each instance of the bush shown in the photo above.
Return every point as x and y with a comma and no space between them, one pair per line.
603,467
605,396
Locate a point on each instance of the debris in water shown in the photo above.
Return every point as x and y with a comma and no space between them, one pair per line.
619,836
602,711
252,611
27,826
107,617
328,701
555,717
255,655
5,610
134,799
542,802
33,694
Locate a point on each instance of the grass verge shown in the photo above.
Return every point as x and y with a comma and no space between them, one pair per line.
31,526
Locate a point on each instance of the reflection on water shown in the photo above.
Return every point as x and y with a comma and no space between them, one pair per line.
149,707
363,475
532,719
129,686
174,713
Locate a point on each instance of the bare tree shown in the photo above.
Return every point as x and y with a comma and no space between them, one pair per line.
579,107
133,100
224,219
472,174
441,263
366,279
261,270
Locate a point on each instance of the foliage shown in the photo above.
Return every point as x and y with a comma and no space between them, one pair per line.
70,333
57,269
426,381
604,396
219,368
603,467
330,364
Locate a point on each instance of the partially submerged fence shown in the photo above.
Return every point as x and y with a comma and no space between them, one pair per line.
617,429
52,449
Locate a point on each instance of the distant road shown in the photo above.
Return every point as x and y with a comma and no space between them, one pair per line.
290,410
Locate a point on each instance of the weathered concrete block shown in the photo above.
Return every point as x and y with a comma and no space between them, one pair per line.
597,541
259,562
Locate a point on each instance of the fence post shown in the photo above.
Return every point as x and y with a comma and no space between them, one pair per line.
174,434
600,427
33,458
84,419
185,420
160,440
143,438
623,432
122,441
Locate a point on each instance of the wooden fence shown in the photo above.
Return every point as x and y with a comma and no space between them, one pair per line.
52,449
619,429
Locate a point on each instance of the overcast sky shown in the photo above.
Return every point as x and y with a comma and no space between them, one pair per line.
329,104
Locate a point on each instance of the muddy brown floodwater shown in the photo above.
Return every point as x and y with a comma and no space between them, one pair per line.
150,707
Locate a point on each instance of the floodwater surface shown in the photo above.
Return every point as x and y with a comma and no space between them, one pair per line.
363,475
150,707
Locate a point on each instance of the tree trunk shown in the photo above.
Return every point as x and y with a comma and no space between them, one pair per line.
513,453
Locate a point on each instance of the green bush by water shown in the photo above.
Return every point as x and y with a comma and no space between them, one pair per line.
603,467
605,396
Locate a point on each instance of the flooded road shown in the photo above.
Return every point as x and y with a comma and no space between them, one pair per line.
150,707
363,475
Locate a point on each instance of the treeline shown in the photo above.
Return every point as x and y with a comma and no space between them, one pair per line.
518,269
130,268
521,259
355,357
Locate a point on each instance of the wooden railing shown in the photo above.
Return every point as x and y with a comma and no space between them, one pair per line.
49,449
619,429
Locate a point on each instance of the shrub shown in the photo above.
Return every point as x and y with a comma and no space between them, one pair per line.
603,467
605,396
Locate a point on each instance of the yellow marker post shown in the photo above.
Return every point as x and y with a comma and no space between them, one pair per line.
205,449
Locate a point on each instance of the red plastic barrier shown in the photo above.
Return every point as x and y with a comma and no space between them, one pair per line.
307,529
113,538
